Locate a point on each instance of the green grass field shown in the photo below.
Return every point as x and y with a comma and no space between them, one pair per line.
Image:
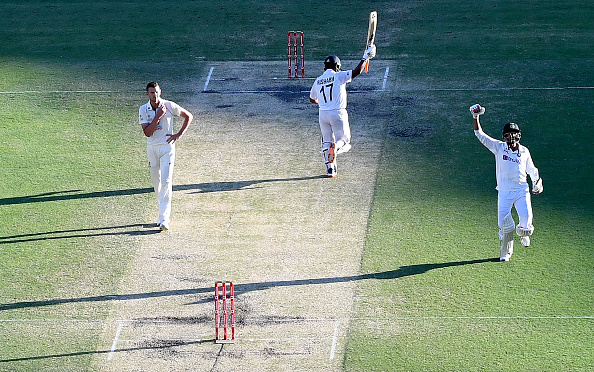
74,197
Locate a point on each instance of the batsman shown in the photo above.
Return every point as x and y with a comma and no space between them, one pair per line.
329,93
513,163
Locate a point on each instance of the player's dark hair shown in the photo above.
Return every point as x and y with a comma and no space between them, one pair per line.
152,84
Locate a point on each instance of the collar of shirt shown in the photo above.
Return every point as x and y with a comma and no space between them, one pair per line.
150,107
329,72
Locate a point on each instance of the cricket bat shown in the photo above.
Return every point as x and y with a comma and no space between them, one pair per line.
371,33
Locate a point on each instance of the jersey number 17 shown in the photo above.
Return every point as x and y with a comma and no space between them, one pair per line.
323,91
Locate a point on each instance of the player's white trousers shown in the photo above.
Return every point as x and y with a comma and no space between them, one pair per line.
519,199
161,162
334,125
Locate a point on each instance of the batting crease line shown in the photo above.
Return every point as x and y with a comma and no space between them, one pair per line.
188,340
386,78
63,91
501,317
208,79
307,319
291,320
284,91
115,341
491,89
239,339
293,79
303,91
54,320
334,340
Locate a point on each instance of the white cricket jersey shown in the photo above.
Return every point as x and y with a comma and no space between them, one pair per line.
146,114
511,166
330,89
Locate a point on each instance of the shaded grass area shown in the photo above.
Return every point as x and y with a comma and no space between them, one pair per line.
435,205
226,30
154,31
435,202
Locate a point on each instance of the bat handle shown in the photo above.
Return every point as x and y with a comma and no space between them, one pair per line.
366,69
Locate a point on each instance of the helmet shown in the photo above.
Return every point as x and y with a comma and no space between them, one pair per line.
511,128
512,133
332,63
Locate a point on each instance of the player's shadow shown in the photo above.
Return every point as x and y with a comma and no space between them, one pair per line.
81,233
199,188
242,288
196,188
402,271
168,345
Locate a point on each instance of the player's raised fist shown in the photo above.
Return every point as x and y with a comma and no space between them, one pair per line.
477,110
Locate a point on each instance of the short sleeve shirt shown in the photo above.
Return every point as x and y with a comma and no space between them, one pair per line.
146,114
330,89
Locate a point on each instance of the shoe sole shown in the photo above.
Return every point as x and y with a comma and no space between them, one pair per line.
331,153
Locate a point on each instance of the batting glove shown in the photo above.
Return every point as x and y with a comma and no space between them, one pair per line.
369,52
537,187
477,110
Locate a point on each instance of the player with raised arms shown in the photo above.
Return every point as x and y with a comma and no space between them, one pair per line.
513,163
329,93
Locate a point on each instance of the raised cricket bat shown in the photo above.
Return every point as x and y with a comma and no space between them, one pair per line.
371,33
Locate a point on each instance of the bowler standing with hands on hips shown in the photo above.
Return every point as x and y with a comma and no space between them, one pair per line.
513,163
156,119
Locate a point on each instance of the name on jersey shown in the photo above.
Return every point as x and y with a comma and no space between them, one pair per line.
505,157
325,80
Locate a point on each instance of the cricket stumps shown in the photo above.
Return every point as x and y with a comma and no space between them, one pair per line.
295,40
224,312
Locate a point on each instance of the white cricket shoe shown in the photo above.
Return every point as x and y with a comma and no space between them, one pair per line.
504,258
331,170
164,226
525,241
344,148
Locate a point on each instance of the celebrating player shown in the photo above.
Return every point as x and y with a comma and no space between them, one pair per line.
156,118
329,92
513,162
